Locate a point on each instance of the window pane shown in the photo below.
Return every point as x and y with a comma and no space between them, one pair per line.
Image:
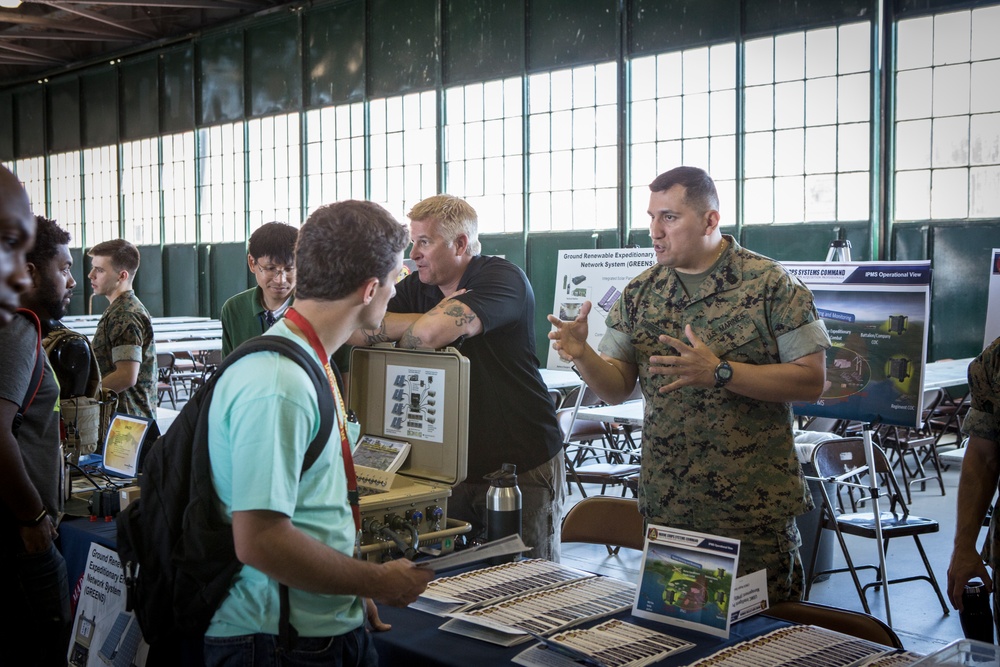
949,193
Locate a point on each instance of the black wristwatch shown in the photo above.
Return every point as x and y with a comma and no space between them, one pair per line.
723,374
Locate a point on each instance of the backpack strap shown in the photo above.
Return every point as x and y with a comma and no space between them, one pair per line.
294,351
36,374
286,633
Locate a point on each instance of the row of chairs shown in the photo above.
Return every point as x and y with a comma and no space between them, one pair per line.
914,450
604,453
183,373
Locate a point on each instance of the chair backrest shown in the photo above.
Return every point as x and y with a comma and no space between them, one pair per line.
854,623
605,520
164,364
578,430
833,458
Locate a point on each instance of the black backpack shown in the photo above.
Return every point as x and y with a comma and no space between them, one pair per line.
175,544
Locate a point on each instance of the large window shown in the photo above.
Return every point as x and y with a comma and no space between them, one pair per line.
335,155
275,184
100,187
484,151
947,120
141,191
222,183
66,206
807,113
572,147
403,151
179,216
683,112
31,173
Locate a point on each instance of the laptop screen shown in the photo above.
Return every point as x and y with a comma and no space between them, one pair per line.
124,442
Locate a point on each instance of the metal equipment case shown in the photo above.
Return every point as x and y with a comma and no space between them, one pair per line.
421,397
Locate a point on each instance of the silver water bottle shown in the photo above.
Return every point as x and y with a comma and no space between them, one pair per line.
503,504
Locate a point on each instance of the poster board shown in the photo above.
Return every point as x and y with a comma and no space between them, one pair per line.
686,579
103,632
993,300
598,276
877,314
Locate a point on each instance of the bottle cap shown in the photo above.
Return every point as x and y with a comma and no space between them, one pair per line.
974,587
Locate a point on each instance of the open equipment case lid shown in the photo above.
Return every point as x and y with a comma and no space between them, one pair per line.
420,396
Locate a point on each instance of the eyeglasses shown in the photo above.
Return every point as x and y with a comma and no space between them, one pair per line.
273,271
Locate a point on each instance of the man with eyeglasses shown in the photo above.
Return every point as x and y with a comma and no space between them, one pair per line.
271,260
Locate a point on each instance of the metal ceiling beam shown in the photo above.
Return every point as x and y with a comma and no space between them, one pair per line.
26,55
63,37
99,18
185,4
7,17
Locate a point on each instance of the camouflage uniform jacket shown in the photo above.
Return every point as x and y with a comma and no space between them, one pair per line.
983,420
712,458
125,333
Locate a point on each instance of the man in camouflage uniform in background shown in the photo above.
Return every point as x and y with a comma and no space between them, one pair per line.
978,484
722,340
123,342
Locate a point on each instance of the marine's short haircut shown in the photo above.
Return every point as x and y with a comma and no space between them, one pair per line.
124,256
454,215
700,192
344,244
275,240
48,237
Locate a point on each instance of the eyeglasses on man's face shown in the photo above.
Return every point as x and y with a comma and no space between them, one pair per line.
272,271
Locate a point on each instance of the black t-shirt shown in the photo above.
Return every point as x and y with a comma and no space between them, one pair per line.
511,416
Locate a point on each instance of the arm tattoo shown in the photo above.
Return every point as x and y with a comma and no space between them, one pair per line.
461,315
372,336
409,340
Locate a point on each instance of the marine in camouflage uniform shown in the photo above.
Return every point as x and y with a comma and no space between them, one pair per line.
715,461
125,333
979,480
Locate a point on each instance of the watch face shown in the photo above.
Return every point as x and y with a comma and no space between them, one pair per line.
723,374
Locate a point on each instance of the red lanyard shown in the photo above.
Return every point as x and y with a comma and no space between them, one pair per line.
352,481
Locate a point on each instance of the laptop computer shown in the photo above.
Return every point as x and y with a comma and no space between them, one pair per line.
125,444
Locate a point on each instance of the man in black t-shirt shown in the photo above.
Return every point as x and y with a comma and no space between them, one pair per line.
485,307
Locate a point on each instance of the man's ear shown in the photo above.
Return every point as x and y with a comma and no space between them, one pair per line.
711,221
250,262
368,290
461,244
33,273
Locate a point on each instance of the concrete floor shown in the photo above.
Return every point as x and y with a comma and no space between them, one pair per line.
916,613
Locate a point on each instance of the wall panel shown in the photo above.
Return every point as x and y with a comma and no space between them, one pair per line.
960,261
658,25
404,53
99,108
227,274
180,280
219,71
29,116
140,90
63,118
150,278
274,62
6,125
563,33
483,40
777,16
334,45
177,107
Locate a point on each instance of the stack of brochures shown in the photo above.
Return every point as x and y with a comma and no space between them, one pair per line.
507,604
614,643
